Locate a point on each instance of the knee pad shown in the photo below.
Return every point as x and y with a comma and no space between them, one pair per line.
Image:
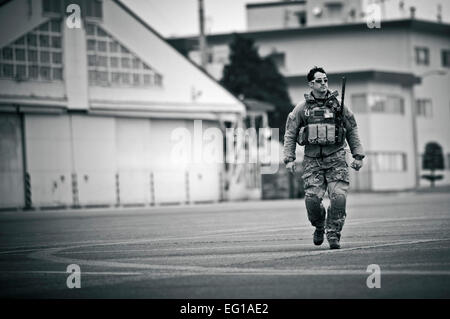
316,211
313,203
338,201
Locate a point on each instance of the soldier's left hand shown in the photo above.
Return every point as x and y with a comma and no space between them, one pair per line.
356,164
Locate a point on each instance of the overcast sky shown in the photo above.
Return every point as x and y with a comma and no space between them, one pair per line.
180,17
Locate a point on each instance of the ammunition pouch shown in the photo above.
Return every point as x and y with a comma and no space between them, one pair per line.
321,134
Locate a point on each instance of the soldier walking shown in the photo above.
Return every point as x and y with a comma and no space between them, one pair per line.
323,125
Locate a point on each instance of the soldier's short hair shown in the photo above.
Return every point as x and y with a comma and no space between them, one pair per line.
313,71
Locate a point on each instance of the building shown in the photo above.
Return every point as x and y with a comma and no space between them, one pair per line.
397,85
304,13
100,113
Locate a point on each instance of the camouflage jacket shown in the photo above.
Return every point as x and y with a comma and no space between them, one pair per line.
297,119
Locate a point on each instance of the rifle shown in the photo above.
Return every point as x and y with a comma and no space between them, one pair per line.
340,113
344,79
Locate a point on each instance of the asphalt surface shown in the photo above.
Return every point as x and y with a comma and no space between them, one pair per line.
230,250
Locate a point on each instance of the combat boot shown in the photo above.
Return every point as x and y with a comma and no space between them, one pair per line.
333,240
318,236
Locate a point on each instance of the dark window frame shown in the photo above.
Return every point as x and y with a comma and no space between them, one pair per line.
422,60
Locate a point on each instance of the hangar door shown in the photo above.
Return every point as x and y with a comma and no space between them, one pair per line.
11,165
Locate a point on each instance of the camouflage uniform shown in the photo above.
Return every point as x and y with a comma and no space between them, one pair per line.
324,166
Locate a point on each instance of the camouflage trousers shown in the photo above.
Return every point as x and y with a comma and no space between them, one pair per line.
330,174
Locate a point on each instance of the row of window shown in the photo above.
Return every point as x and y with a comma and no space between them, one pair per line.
32,72
393,161
382,103
110,63
10,55
377,103
423,56
35,56
387,161
124,78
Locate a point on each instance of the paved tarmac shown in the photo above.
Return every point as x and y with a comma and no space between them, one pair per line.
260,249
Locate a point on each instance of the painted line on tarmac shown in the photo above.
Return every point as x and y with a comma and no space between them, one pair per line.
102,273
337,272
49,255
212,249
244,232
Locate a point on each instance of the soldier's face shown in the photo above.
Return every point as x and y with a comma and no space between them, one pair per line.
320,83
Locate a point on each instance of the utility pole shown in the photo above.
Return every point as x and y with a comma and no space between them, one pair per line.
202,38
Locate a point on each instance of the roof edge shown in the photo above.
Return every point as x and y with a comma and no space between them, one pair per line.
148,27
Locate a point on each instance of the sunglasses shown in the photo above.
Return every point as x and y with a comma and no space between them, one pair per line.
321,80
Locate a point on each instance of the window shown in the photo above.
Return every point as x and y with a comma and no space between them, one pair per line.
136,63
45,57
20,41
102,61
44,41
334,9
381,103
33,72
45,73
125,63
20,54
136,79
101,46
21,71
7,54
36,55
56,42
32,40
359,103
32,56
301,17
114,62
114,47
92,60
422,56
7,70
388,161
91,45
57,74
424,108
90,29
110,63
445,58
57,58
55,26
115,77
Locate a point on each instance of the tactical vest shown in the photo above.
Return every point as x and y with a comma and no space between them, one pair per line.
324,125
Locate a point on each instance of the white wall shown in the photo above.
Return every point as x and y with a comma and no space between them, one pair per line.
392,132
274,17
11,167
435,87
179,75
49,161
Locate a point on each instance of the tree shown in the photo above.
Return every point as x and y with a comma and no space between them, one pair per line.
433,159
252,76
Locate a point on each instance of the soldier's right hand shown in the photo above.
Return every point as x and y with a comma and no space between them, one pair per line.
291,167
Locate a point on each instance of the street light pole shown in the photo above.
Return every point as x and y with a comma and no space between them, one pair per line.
202,38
